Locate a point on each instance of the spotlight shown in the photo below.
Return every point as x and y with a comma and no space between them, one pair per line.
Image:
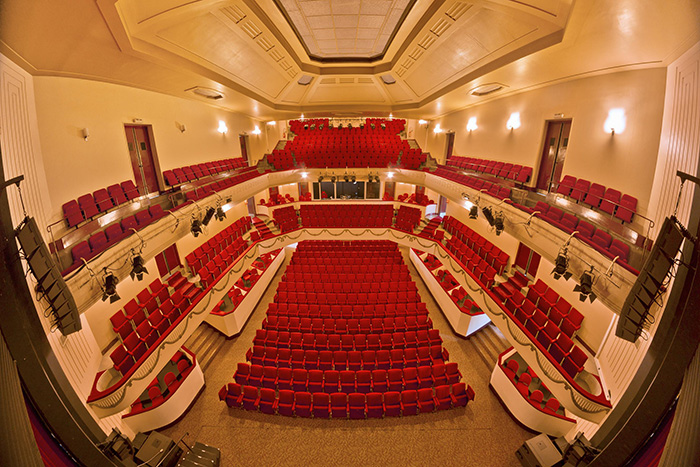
354,179
488,214
333,178
585,287
346,177
220,214
474,211
196,227
110,288
208,215
561,266
138,268
498,222
320,178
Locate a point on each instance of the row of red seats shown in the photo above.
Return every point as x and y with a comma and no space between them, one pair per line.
486,250
286,219
586,232
345,287
372,337
348,381
523,381
346,215
483,272
347,278
342,268
190,173
201,192
212,271
413,198
90,205
113,234
596,196
342,326
323,298
476,183
516,172
347,245
212,248
343,405
277,199
375,310
310,359
163,385
464,302
407,218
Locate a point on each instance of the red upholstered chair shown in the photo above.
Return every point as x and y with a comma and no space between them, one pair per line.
356,405
375,405
321,405
392,404
426,400
268,401
409,402
302,404
339,405
331,381
459,395
251,398
627,208
234,395
511,369
443,397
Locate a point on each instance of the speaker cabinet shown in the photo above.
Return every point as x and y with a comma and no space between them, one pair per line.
642,296
50,283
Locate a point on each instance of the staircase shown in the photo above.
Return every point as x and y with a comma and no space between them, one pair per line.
428,230
489,343
205,342
517,281
412,144
263,231
281,144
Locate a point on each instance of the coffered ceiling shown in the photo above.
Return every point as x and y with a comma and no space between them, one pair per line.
410,57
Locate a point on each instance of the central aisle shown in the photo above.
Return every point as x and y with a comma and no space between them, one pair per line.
482,434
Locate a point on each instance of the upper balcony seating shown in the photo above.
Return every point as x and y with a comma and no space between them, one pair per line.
111,235
596,196
479,184
516,172
346,215
464,239
191,173
355,359
201,192
101,201
286,219
407,218
317,145
223,246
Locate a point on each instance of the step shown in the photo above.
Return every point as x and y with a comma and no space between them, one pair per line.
519,279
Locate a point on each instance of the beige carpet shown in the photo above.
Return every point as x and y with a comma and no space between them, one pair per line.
482,434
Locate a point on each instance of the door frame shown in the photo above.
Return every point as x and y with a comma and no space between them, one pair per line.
154,152
543,143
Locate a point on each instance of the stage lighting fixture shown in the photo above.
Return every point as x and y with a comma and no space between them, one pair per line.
488,214
196,227
333,178
346,177
561,267
208,215
354,179
138,268
585,287
110,288
220,214
320,178
474,211
498,223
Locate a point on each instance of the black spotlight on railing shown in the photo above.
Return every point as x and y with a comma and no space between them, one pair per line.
498,222
353,179
488,214
138,268
585,287
333,178
196,227
346,178
474,211
561,267
220,214
208,215
320,178
110,288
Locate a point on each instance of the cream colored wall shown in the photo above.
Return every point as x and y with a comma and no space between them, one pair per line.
402,188
624,161
65,106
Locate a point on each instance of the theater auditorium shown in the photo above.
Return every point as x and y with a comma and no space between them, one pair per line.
350,232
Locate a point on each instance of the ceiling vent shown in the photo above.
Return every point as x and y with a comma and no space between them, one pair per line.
486,89
209,93
305,80
388,79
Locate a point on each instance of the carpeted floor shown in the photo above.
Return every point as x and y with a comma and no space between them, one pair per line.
482,434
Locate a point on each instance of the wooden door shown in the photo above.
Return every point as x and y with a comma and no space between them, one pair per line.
251,206
389,189
244,147
449,145
556,142
142,161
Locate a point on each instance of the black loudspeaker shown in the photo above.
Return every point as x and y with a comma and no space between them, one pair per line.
50,283
642,296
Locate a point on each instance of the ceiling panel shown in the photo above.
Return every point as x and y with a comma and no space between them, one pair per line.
347,94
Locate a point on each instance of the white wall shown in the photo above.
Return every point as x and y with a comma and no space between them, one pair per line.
65,106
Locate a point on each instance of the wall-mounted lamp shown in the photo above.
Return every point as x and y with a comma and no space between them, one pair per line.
86,134
302,117
437,129
422,122
514,121
304,174
223,129
181,127
136,120
471,124
272,123
391,116
256,131
390,175
616,121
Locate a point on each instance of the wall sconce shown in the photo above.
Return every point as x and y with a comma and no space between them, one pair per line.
390,175
437,129
471,124
422,122
304,174
223,129
302,117
181,127
514,121
272,123
86,134
616,121
256,131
